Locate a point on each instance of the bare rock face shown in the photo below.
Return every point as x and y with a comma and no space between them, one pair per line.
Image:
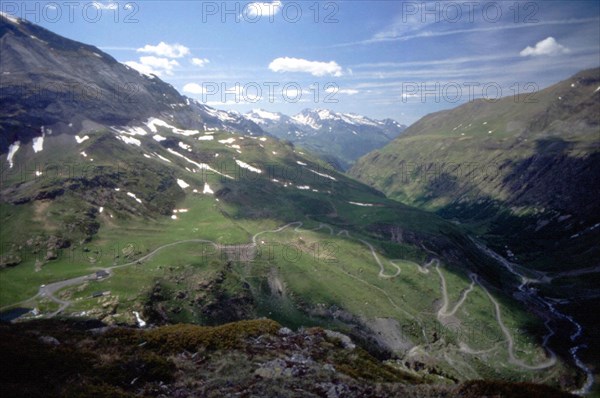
345,340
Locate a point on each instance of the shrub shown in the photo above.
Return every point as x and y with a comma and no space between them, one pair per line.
176,338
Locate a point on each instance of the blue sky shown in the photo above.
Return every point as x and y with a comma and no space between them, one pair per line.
376,58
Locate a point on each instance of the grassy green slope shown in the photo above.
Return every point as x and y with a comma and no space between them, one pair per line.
186,255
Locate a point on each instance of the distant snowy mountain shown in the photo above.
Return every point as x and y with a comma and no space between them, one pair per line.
215,119
341,138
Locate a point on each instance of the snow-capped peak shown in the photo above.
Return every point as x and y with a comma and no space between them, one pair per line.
307,120
260,116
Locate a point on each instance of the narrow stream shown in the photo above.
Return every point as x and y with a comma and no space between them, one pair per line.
533,296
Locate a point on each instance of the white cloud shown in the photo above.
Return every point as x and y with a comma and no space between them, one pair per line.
153,65
105,6
409,95
548,46
143,69
262,9
292,92
347,91
165,50
200,61
315,68
193,88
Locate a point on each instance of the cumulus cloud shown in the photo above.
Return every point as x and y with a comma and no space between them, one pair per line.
153,65
315,68
262,9
104,6
165,50
548,46
193,88
200,61
347,91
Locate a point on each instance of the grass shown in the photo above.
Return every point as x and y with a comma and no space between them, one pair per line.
296,277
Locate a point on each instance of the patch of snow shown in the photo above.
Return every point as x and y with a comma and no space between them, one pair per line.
206,138
323,175
83,154
201,166
221,115
306,121
134,197
263,139
12,149
139,320
301,163
361,204
247,166
274,153
81,139
484,123
596,90
207,189
129,140
11,18
101,209
158,138
153,122
117,189
97,55
572,84
303,187
182,210
265,115
131,131
185,146
352,118
227,141
161,157
38,144
182,183
38,173
234,146
147,156
174,217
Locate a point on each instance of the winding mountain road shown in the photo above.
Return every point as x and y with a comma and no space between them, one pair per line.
50,289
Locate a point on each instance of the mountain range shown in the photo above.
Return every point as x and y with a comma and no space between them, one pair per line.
128,220
339,138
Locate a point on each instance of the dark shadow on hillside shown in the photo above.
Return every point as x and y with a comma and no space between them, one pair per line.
552,178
